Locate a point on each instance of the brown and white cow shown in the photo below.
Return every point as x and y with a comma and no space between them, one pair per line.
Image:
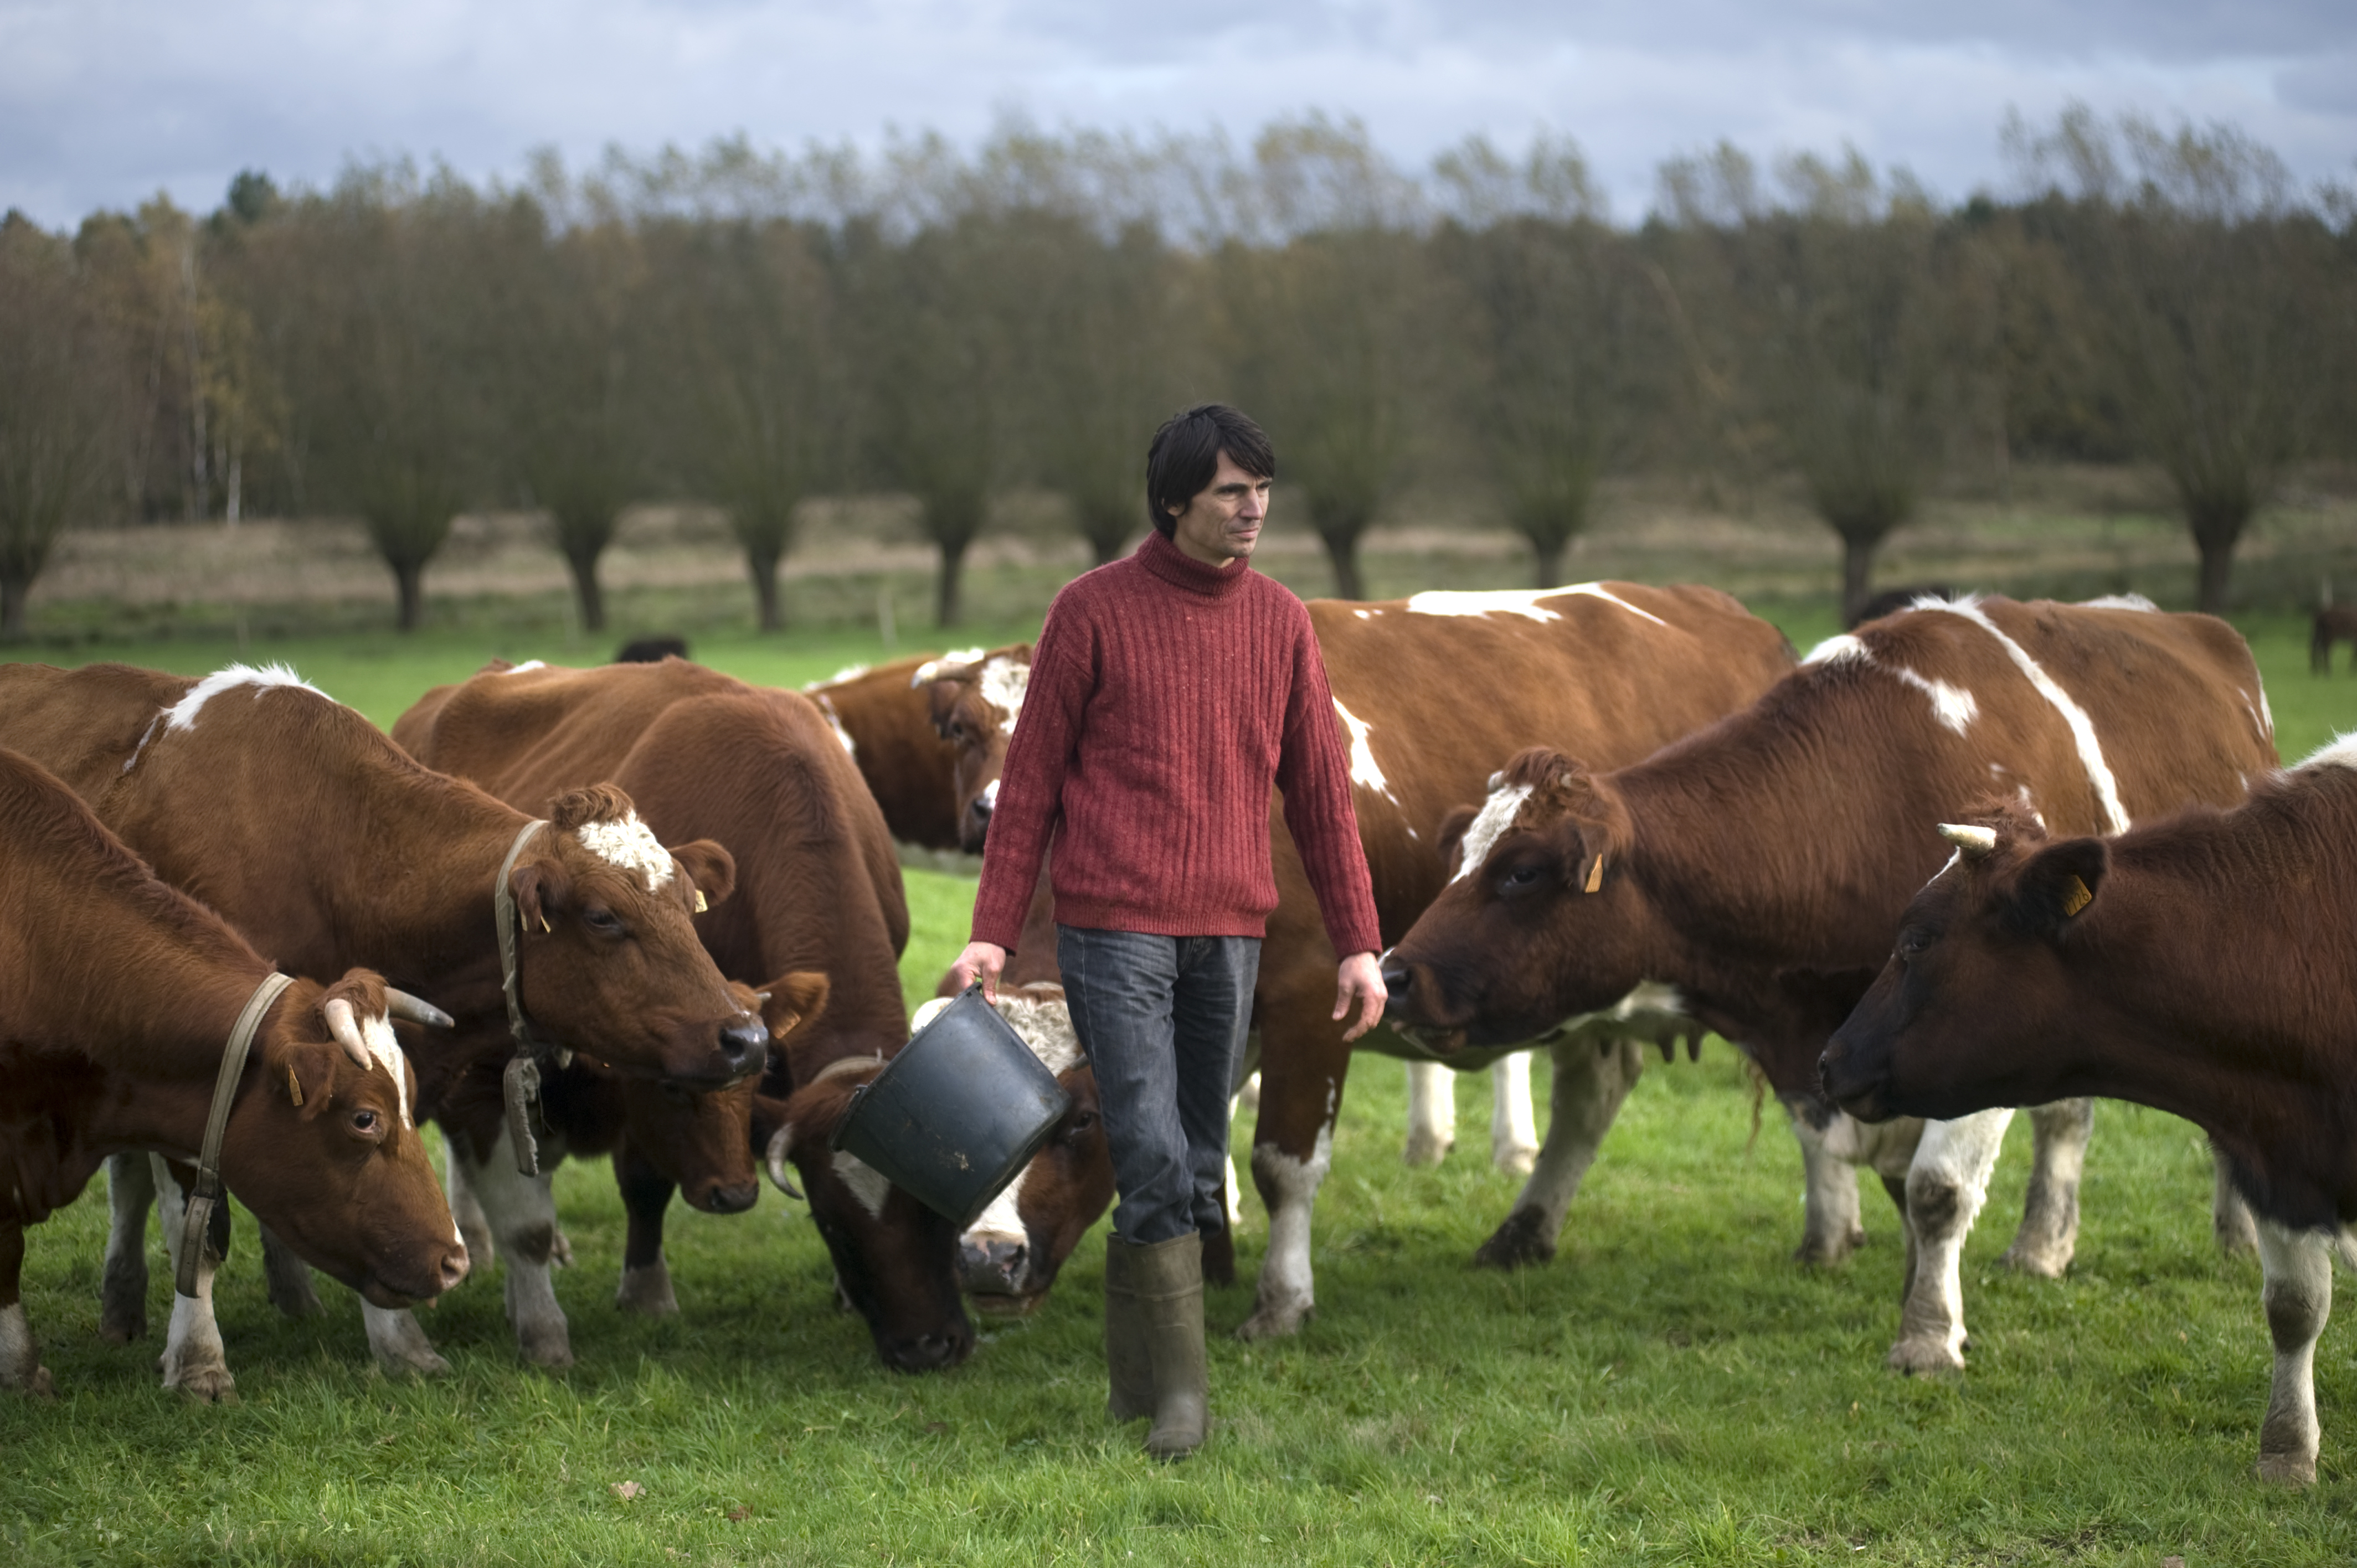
1429,691
118,994
2205,964
884,720
1753,873
819,890
324,843
972,701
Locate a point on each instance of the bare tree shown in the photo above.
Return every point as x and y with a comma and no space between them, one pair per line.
62,401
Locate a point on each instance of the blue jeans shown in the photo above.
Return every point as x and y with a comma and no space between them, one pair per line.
1163,1020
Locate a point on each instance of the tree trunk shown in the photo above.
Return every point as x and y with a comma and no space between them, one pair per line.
763,566
1106,548
583,565
1550,557
945,591
1342,550
409,577
1857,576
12,591
2217,570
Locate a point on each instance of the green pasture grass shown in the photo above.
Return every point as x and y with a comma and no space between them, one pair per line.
1670,1389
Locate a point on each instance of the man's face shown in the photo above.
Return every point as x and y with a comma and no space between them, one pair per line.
1223,520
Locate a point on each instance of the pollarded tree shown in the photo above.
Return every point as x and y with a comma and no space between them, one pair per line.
63,401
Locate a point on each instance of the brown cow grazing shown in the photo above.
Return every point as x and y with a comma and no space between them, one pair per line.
118,995
972,701
1617,668
297,820
2334,623
883,720
2182,965
819,890
1758,870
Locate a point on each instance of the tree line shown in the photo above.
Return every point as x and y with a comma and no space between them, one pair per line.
753,329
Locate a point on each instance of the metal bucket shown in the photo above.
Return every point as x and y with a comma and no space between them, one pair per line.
958,1113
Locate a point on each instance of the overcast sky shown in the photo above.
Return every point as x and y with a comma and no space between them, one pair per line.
103,103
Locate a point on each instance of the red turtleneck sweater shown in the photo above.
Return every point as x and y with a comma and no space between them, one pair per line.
1166,698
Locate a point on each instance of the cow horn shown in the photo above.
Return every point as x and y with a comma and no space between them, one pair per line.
416,1009
777,1143
1972,842
346,1030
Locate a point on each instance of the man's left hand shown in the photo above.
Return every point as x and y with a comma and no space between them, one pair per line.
1359,980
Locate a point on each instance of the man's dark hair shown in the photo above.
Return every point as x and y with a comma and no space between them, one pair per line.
1185,456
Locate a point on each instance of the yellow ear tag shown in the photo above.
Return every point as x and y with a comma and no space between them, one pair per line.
701,904
1595,875
545,925
294,1086
2076,897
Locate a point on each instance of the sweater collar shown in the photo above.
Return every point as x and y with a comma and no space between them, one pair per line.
1175,567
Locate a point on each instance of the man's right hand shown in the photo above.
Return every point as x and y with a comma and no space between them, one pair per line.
981,960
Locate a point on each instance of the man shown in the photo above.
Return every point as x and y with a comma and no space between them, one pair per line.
1168,691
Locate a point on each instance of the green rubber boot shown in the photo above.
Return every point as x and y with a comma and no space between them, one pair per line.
1129,1369
1166,1282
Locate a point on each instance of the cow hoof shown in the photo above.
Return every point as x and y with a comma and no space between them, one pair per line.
208,1385
39,1386
552,1349
1274,1321
1823,1251
121,1330
2287,1469
1518,1161
2049,1262
1924,1357
1519,1242
647,1290
1423,1149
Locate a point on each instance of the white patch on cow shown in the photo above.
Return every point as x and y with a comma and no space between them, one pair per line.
376,1033
926,1013
932,670
1498,813
848,672
523,669
989,796
20,1359
1523,602
144,736
183,713
834,723
2265,725
866,1183
2083,728
1363,770
1002,1220
1839,649
2341,752
2119,602
1287,1291
1045,1026
629,845
2022,793
1954,707
2267,712
1002,684
1364,614
1955,858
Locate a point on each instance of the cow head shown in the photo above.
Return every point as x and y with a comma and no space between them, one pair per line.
974,705
1008,1258
1970,1008
610,963
895,1260
1540,923
703,1140
324,1147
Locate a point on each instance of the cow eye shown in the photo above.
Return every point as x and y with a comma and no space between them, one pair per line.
602,921
364,1122
1078,1126
1522,880
1913,941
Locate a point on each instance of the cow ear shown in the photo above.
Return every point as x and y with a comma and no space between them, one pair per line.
711,871
304,1075
1450,838
2056,887
794,1002
540,891
940,704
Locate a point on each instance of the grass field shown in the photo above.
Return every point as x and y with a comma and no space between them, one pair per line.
1670,1389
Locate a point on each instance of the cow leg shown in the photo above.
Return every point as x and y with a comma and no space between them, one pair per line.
2298,1265
2050,1213
122,1287
1514,1126
288,1278
521,1213
194,1360
1831,1229
1946,1189
1897,1187
1592,1079
399,1344
20,1355
2230,1217
474,1231
646,1195
1431,1114
1293,1148
1248,1097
